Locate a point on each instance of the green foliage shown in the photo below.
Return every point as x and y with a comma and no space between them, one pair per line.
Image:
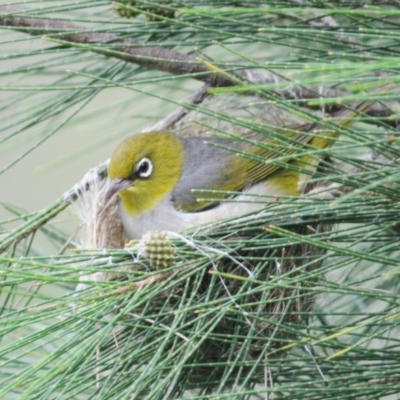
299,301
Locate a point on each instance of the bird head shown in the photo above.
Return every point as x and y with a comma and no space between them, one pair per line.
144,168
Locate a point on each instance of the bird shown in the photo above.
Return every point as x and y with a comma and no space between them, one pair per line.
156,174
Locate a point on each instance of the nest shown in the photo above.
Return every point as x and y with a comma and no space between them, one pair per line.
234,304
228,299
230,316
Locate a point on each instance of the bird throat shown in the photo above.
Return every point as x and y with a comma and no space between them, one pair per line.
137,202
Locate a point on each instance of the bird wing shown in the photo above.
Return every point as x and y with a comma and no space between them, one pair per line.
231,165
227,165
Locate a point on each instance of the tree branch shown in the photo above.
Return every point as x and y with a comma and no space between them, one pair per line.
165,60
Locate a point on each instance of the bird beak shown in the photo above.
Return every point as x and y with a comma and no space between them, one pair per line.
116,186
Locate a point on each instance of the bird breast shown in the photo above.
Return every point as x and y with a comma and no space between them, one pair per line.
165,217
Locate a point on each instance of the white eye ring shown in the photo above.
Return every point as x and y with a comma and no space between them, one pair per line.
144,168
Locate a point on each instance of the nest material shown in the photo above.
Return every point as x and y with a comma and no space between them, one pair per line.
253,318
226,323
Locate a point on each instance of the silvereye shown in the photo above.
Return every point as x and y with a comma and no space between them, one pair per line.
155,173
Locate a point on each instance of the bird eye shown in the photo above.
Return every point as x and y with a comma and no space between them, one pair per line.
144,168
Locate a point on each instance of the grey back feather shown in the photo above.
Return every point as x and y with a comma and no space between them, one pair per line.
206,167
